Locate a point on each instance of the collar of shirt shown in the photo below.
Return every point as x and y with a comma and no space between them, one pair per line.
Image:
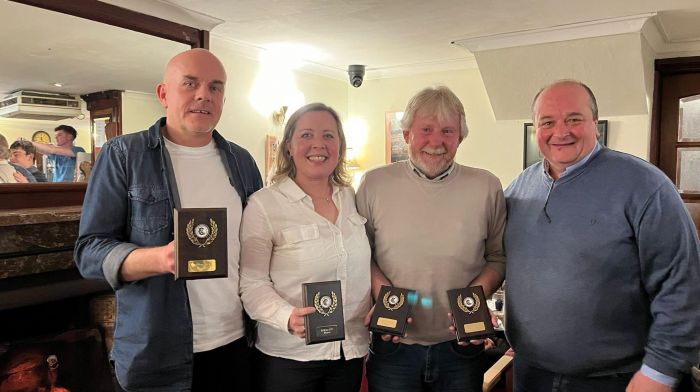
573,167
438,178
294,193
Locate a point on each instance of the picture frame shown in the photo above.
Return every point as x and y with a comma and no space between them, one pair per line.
396,146
531,152
271,146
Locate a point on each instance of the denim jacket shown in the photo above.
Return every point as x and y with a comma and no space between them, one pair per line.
129,205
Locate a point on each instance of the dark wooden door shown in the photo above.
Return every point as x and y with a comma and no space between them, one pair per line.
676,137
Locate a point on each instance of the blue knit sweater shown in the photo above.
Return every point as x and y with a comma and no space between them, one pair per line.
603,270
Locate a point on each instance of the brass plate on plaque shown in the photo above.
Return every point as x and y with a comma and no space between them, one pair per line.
201,265
386,322
474,327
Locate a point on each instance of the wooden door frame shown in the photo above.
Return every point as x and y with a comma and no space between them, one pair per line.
662,68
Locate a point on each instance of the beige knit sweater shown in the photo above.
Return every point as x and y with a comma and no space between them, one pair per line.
432,236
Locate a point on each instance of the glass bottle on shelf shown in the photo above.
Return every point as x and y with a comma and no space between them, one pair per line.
49,167
499,306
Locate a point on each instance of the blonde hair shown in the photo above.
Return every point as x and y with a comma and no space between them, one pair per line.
284,166
438,100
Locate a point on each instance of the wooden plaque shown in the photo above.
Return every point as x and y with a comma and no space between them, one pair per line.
327,324
391,311
200,243
472,319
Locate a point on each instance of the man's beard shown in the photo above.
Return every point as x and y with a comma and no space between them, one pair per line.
430,169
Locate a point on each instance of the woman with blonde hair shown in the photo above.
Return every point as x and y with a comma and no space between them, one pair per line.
305,228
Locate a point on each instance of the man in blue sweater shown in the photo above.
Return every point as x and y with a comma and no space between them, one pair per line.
603,264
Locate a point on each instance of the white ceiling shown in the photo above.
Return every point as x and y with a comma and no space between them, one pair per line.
41,47
390,33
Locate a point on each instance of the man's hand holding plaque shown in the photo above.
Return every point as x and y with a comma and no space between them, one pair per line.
327,323
200,243
392,310
470,315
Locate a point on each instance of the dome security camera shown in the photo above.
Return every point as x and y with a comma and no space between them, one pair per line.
356,73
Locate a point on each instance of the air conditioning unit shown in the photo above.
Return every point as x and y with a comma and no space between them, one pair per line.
38,105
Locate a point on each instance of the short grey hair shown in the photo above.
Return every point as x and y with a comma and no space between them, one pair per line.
439,101
284,167
591,97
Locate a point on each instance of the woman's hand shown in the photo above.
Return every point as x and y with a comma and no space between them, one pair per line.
295,325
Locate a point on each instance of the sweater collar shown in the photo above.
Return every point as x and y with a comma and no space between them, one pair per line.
441,177
575,166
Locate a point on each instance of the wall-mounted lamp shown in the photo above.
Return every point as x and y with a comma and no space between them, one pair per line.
279,115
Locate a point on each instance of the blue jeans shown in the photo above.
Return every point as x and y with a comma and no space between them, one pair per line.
441,367
528,378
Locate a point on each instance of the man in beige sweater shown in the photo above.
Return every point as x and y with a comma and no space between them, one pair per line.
433,225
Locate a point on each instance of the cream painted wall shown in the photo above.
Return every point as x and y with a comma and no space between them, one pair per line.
493,145
139,111
241,123
490,145
648,59
612,66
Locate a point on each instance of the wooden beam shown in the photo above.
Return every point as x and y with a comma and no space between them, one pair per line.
125,18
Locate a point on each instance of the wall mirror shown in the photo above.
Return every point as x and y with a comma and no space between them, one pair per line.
91,49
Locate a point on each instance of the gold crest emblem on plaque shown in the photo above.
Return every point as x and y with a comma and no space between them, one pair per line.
202,232
326,304
393,302
469,305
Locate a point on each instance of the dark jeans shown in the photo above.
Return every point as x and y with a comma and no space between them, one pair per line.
528,378
441,367
274,374
226,368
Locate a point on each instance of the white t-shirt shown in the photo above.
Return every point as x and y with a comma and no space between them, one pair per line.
202,181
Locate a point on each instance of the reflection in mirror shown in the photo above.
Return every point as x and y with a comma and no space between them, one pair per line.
69,57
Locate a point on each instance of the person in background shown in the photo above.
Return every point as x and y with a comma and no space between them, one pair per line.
61,155
7,172
22,154
85,170
603,261
11,172
171,335
305,228
434,225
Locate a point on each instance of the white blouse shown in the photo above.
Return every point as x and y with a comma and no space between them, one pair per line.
285,243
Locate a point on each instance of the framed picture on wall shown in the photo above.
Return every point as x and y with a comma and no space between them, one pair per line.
271,146
396,147
531,153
